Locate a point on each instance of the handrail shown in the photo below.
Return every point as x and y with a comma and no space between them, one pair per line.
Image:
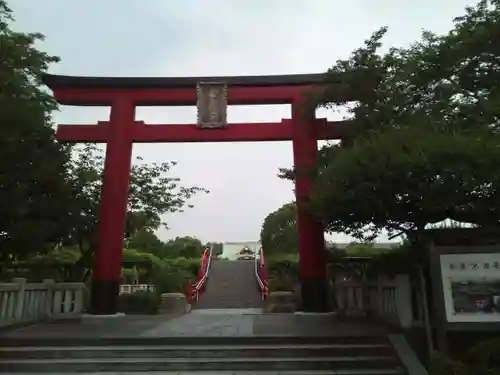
202,281
261,275
195,290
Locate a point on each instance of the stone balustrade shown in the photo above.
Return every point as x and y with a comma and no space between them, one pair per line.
280,302
387,299
24,302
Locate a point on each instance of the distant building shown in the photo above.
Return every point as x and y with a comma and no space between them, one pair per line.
249,249
235,250
245,254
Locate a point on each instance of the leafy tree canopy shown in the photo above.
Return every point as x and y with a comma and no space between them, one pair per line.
153,193
34,193
146,241
187,247
279,230
442,81
403,180
49,201
421,145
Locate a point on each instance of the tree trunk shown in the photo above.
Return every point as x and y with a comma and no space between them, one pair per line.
425,307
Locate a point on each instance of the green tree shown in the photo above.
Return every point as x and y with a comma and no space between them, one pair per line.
187,247
279,231
442,81
152,194
141,265
403,180
218,248
145,240
34,194
421,146
138,221
361,249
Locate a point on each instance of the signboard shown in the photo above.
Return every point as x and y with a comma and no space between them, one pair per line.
212,105
471,287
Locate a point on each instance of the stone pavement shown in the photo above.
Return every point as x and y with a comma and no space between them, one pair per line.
200,323
299,372
233,341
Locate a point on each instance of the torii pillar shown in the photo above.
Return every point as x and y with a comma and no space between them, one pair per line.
311,239
108,258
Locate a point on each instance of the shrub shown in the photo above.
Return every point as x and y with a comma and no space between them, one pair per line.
174,276
442,365
283,272
390,263
482,359
139,303
190,265
283,269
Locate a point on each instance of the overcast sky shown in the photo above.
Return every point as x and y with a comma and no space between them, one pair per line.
219,37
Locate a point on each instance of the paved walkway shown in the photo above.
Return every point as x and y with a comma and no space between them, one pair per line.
200,323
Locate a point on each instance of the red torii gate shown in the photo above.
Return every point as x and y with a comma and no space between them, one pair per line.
212,95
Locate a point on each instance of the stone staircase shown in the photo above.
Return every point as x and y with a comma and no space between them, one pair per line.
230,285
208,355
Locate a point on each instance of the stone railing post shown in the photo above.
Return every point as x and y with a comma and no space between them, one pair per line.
403,301
19,300
49,297
79,300
380,297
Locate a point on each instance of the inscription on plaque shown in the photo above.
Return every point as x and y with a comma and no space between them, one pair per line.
212,105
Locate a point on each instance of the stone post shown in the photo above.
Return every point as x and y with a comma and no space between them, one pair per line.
403,301
49,297
19,304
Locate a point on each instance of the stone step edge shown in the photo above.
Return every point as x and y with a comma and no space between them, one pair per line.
184,340
200,360
190,347
240,372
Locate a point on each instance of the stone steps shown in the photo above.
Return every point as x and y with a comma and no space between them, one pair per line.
214,351
187,341
230,285
293,372
192,355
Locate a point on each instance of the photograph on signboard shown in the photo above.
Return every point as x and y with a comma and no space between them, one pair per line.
476,296
471,287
